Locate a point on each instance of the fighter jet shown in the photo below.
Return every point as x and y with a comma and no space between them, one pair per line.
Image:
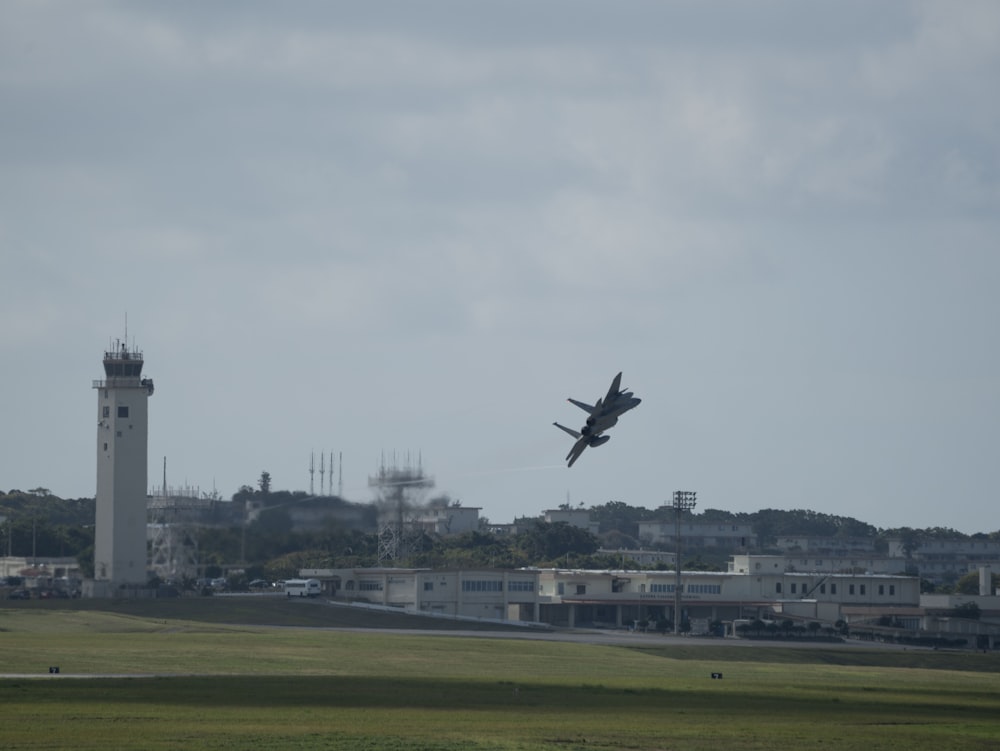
600,416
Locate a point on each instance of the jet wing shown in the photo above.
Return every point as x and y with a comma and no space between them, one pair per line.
589,409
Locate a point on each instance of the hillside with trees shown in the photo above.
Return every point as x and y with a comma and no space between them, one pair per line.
35,522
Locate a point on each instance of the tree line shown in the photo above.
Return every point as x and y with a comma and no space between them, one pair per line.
37,523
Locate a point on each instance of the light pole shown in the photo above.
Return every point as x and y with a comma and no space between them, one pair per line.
684,500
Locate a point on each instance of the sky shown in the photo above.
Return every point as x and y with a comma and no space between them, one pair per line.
404,233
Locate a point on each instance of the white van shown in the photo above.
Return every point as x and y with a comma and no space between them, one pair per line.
303,588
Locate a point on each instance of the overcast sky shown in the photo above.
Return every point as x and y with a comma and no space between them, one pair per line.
411,230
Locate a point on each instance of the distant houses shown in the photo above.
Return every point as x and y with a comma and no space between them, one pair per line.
696,534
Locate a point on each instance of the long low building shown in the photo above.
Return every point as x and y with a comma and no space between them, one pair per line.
490,593
578,598
827,564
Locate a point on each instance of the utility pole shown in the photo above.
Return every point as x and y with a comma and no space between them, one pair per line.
684,500
7,526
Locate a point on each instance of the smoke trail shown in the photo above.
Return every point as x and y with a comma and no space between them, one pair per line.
508,470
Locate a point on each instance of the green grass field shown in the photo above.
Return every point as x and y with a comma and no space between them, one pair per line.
235,686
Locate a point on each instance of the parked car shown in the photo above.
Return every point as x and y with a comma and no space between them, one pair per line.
259,584
52,594
19,594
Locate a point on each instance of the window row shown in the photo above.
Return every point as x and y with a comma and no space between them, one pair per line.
852,589
692,589
482,585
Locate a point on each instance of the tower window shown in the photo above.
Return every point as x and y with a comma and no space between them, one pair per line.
123,411
106,412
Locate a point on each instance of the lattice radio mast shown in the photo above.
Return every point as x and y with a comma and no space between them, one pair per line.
398,489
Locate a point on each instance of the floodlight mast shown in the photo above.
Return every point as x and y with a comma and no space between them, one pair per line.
684,500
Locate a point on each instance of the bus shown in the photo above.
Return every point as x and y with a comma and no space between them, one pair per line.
303,588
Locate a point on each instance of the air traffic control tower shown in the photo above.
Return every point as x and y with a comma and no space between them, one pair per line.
120,556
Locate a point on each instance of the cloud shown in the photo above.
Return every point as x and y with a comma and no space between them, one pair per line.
374,226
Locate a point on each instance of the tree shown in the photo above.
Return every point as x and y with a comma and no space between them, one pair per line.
616,515
968,610
288,566
909,537
264,483
969,584
719,516
545,542
769,524
244,494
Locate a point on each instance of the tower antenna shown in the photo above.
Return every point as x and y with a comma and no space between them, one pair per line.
312,471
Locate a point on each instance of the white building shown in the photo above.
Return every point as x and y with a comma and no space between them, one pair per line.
41,572
946,560
120,558
489,593
829,545
616,598
447,520
939,617
574,598
947,549
698,534
830,564
573,517
642,557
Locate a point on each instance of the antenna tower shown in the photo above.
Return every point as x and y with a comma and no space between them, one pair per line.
174,515
398,489
312,471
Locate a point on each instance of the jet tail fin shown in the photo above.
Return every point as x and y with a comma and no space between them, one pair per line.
615,387
578,447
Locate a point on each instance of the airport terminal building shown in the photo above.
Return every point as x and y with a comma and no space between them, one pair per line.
618,599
